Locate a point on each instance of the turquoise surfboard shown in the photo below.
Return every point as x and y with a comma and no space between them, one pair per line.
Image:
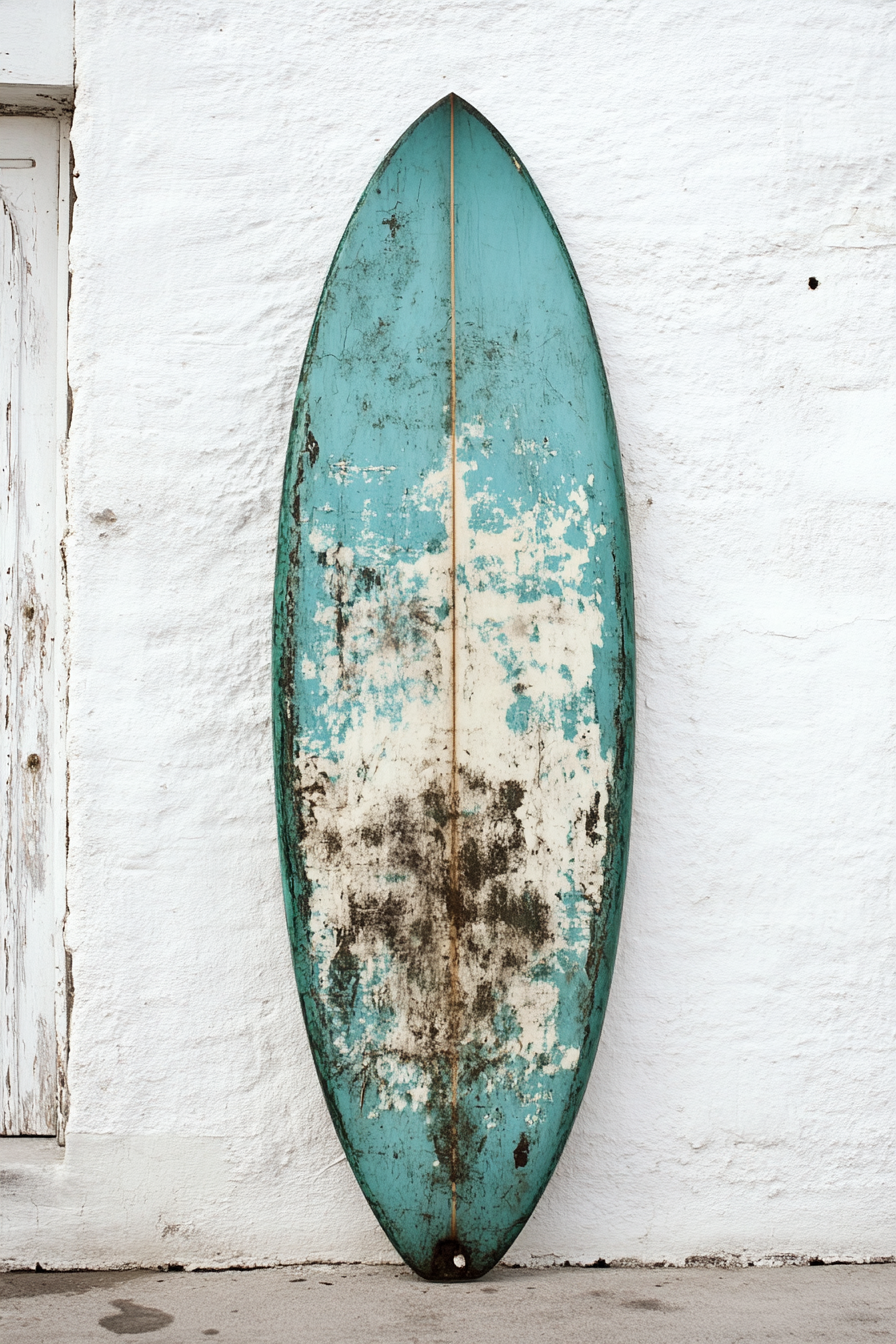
453,693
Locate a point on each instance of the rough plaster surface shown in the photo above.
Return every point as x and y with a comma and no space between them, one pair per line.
36,42
702,161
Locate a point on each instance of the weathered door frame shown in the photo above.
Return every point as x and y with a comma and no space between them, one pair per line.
33,823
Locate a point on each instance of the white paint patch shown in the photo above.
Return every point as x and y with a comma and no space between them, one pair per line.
522,664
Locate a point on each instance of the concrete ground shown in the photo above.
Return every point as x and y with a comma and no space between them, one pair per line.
326,1304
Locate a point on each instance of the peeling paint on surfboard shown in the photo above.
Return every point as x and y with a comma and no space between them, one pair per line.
453,693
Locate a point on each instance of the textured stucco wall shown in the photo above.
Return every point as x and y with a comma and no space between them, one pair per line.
36,43
702,161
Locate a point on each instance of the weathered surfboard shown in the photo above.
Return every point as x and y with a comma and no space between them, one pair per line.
453,693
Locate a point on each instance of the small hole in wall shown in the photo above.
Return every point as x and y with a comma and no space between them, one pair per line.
813,283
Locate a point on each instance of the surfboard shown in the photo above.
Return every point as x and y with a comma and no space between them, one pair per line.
453,693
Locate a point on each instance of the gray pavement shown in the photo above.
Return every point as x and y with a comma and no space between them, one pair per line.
328,1304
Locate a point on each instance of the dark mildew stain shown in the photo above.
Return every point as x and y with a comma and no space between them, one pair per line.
592,821
393,869
399,894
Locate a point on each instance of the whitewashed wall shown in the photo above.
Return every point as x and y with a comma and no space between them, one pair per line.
36,38
702,161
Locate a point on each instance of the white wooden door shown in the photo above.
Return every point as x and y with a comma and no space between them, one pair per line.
32,400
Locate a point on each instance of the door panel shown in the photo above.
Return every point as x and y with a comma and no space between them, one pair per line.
31,347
